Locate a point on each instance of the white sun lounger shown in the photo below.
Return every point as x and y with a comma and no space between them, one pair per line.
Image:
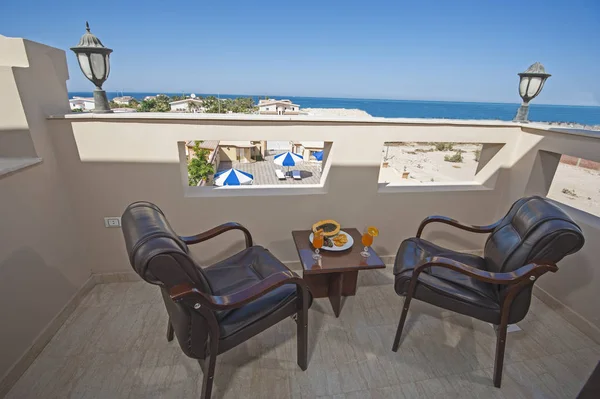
296,175
279,174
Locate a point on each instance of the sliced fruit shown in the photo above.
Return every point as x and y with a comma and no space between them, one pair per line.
373,231
330,227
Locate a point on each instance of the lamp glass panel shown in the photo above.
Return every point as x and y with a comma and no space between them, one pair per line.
98,66
107,65
523,86
534,86
84,62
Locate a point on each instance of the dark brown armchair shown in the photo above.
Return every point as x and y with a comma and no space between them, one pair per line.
496,288
215,308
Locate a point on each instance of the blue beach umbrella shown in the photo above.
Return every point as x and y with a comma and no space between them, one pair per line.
233,177
288,159
318,155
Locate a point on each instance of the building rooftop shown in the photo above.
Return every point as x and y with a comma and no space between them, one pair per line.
206,144
264,171
263,102
187,100
80,99
123,98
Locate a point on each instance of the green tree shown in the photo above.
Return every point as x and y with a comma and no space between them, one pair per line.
158,104
212,105
193,106
243,105
240,105
199,169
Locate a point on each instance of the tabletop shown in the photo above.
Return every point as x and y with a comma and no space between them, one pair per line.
332,262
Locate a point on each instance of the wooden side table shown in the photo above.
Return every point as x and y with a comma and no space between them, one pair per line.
336,274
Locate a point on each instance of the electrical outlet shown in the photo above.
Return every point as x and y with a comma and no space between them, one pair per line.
113,221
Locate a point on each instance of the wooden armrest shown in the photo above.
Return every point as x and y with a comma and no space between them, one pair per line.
207,235
456,223
523,273
240,298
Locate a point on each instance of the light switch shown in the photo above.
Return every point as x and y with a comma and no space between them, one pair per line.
113,221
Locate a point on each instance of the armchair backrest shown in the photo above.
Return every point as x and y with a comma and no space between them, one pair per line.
160,257
533,230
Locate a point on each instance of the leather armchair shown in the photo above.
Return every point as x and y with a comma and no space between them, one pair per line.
528,242
213,309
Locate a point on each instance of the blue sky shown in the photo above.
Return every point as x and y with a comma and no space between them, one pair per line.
433,50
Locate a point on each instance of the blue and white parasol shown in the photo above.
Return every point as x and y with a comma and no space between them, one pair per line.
318,155
233,177
288,159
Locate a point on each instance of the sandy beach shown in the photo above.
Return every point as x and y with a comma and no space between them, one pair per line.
335,112
414,163
425,164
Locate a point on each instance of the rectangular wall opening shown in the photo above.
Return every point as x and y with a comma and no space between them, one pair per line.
257,163
413,163
576,183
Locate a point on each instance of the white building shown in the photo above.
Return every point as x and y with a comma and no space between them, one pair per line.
124,100
149,98
278,107
83,103
184,105
307,149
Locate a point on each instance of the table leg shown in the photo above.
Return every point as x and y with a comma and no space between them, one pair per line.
336,281
334,286
349,283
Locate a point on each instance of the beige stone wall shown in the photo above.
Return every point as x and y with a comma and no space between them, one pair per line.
228,153
231,154
350,192
43,258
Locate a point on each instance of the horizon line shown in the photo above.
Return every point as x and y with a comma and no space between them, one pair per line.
337,98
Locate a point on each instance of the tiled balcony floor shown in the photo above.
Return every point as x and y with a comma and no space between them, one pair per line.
114,346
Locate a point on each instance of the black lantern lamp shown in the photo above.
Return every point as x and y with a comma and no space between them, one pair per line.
94,61
531,84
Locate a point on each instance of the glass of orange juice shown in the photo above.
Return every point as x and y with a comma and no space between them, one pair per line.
317,242
367,239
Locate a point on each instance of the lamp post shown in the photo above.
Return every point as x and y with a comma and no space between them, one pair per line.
94,62
531,84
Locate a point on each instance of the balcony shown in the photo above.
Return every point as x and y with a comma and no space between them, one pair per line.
78,322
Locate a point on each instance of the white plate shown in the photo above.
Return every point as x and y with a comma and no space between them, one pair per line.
346,246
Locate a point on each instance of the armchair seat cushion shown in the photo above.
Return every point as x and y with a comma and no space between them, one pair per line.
239,272
444,287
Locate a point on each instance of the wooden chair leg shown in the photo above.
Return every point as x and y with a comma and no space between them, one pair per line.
500,345
302,331
209,373
407,300
169,331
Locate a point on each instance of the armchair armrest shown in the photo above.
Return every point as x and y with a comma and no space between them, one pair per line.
207,235
456,223
240,298
521,274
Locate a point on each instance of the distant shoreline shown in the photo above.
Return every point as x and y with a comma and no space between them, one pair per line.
582,117
141,94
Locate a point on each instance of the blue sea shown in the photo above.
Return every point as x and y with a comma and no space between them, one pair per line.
424,109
